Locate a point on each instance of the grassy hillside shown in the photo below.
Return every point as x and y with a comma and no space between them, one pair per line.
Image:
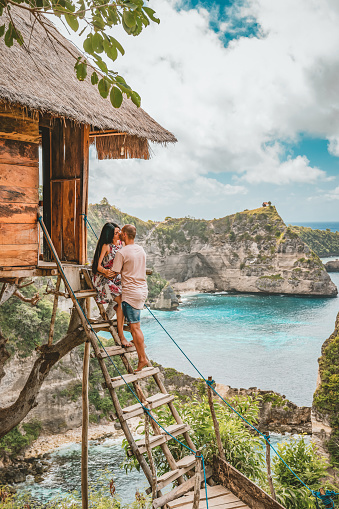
322,242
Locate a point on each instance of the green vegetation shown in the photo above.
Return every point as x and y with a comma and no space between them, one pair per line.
19,438
273,277
98,499
245,450
322,242
326,397
27,326
303,459
155,284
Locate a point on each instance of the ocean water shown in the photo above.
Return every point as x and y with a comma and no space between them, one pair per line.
246,340
332,225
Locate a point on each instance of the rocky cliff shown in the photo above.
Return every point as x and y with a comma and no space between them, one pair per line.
251,251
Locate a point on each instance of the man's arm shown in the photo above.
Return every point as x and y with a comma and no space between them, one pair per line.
118,264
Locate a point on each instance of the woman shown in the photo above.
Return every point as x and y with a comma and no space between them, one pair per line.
108,287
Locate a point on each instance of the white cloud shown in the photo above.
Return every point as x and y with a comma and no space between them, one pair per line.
232,109
333,195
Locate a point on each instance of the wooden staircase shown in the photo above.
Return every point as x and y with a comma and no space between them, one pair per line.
187,471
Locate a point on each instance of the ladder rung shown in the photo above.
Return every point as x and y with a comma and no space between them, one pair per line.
82,294
98,326
184,465
115,350
131,377
154,402
156,440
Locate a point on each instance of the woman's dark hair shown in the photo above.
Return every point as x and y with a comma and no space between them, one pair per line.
106,237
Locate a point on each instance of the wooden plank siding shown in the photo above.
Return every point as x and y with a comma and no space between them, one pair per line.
19,188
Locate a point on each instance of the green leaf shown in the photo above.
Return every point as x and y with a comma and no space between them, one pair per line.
110,50
104,87
2,30
129,18
116,97
97,43
94,78
136,99
150,13
117,45
18,36
81,70
88,46
9,36
72,22
81,11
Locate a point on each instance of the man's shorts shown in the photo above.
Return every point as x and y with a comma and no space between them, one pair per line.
131,314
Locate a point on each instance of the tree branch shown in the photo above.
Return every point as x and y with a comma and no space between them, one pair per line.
32,300
12,415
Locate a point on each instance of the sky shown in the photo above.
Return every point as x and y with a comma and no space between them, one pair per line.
250,88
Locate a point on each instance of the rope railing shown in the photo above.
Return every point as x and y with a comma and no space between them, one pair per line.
323,497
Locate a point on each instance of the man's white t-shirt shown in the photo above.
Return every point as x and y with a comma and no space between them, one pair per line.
130,261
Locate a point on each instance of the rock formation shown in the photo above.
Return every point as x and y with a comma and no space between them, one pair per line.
166,301
252,251
332,266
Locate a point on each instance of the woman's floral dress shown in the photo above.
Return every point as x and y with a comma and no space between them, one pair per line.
107,288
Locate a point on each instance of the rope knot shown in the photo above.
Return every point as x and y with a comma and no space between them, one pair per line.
210,382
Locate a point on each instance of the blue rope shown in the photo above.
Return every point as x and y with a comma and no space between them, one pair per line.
115,366
226,402
88,224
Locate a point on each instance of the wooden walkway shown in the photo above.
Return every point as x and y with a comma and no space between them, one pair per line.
218,497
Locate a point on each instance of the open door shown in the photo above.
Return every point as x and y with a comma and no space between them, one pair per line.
65,153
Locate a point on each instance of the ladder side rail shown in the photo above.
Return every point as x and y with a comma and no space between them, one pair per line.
92,338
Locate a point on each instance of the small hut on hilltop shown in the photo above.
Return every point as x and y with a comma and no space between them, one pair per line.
43,104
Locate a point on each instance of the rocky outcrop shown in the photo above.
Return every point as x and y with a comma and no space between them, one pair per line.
332,266
166,301
54,411
276,413
252,251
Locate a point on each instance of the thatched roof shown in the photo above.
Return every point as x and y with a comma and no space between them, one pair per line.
43,79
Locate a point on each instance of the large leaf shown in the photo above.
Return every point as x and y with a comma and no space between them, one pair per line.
101,64
150,13
94,78
110,50
136,99
72,21
81,70
88,46
129,18
104,87
97,43
117,45
9,36
116,97
2,30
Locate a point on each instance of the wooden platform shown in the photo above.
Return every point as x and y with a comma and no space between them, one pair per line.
218,497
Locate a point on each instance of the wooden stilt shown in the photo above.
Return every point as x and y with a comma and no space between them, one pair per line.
215,421
268,464
196,497
85,421
54,311
150,457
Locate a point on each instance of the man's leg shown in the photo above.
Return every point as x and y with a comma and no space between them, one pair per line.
139,342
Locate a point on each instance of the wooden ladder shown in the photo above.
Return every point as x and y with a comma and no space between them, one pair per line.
188,465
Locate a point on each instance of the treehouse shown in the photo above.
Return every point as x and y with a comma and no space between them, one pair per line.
48,120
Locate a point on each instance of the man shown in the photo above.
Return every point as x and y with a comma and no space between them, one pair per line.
130,261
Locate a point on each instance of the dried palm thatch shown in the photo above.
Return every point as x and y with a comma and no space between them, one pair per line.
41,78
122,147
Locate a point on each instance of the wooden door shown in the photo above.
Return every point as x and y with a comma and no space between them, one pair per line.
68,160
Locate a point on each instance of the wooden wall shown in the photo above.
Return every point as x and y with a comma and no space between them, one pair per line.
19,188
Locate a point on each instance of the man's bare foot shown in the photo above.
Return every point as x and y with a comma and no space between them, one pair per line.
125,343
140,366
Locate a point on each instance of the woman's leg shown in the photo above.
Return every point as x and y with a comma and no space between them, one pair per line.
120,322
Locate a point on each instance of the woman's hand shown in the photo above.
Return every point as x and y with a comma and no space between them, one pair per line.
109,273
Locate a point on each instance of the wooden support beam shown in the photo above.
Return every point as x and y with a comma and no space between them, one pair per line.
54,312
268,464
197,483
150,457
85,419
215,421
